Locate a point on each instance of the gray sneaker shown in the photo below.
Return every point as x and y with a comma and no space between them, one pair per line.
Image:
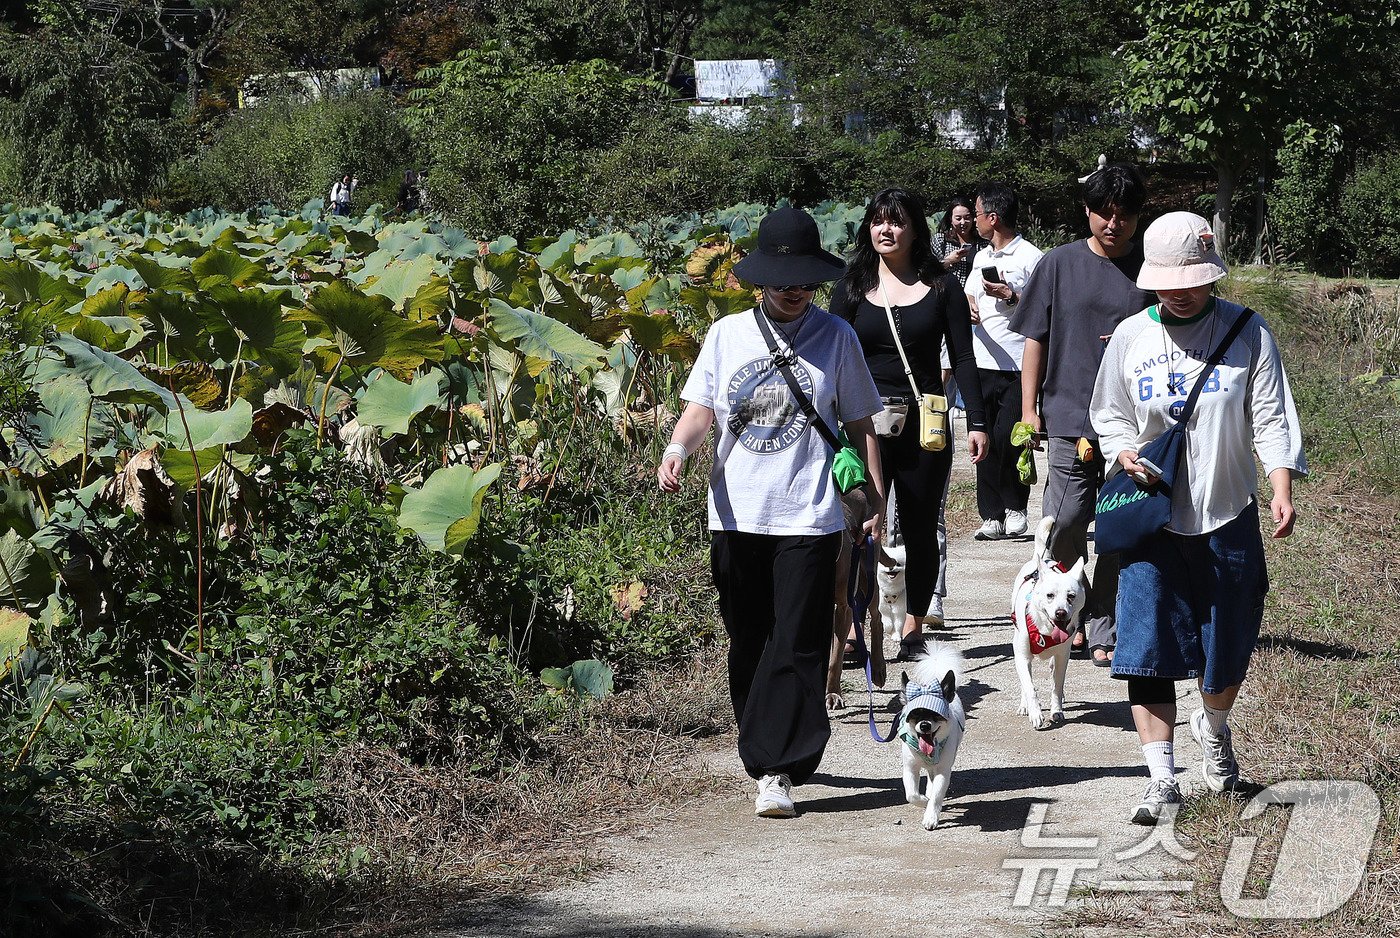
1016,523
1218,765
775,797
991,530
1162,796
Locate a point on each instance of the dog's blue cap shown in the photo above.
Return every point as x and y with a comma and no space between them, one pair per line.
918,697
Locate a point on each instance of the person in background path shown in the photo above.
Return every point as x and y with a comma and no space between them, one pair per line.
1078,294
775,513
999,274
893,257
1191,598
408,200
341,193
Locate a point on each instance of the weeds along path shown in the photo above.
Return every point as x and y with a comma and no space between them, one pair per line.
857,861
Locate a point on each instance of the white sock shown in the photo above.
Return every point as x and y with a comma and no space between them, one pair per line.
1216,718
1160,761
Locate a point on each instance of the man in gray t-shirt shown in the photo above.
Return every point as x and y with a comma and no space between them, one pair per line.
1075,298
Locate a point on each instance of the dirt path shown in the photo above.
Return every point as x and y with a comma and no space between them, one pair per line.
856,861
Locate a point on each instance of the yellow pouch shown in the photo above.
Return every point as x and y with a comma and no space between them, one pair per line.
933,421
1085,449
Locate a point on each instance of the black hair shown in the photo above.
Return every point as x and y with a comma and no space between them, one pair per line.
1117,185
863,271
1000,198
945,224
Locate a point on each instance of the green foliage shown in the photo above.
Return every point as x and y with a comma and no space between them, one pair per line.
1369,211
1303,208
86,122
288,152
513,140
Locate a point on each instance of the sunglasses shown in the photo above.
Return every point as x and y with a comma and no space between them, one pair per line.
805,287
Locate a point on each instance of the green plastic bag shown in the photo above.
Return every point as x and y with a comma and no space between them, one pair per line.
1021,435
847,468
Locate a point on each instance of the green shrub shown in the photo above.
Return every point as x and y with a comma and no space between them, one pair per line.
1302,202
1370,214
88,120
287,152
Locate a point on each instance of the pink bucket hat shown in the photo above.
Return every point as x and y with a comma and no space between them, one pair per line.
1179,253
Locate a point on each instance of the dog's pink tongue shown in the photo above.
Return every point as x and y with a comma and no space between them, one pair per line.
925,746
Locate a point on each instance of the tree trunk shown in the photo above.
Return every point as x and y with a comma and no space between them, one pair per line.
191,85
1259,221
1224,191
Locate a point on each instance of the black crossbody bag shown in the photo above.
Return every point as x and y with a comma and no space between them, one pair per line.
847,468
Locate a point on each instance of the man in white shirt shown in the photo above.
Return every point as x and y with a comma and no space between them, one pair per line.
999,274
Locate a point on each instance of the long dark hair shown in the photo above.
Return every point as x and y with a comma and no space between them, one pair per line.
863,271
945,224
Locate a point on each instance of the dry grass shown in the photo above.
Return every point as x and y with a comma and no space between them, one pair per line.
448,836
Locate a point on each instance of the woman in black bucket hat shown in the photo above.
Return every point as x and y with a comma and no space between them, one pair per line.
774,510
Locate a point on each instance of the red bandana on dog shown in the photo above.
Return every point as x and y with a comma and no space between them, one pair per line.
1039,639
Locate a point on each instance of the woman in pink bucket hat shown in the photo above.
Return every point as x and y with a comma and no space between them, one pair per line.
1191,597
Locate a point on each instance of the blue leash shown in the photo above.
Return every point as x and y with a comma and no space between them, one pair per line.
863,562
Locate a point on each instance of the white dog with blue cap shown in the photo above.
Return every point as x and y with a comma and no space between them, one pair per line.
931,727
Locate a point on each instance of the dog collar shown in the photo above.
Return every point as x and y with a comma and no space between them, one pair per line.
1040,639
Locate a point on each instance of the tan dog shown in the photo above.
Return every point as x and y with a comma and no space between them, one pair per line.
855,504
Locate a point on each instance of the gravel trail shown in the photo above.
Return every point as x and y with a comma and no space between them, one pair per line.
856,861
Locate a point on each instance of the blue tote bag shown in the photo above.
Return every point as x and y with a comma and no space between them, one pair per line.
1128,512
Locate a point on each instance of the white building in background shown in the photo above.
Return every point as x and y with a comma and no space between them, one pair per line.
306,87
725,89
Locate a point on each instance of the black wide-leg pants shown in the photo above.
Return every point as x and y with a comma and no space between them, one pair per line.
775,597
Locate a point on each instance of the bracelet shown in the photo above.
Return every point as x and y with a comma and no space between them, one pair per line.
675,449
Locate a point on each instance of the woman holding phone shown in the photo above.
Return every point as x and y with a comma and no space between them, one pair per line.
956,242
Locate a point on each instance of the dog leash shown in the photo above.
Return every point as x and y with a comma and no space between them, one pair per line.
863,562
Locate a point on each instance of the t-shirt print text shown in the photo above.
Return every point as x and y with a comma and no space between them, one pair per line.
1167,374
762,412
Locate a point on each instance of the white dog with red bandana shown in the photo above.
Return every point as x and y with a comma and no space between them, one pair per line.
1045,606
931,727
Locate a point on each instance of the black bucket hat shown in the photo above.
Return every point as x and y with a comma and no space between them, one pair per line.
789,252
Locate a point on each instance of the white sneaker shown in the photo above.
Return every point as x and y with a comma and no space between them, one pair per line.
1162,796
774,797
1218,765
991,530
934,616
1016,523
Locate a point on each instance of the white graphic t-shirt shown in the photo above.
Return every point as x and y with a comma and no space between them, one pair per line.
772,472
1245,407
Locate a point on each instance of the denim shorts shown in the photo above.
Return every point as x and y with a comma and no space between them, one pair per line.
1190,606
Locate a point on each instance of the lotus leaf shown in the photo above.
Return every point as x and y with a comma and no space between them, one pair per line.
446,511
366,332
154,276
207,429
59,428
591,678
658,333
26,579
255,318
108,377
541,337
195,380
220,266
391,404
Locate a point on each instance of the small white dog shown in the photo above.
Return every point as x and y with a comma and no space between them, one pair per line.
1045,605
931,726
894,601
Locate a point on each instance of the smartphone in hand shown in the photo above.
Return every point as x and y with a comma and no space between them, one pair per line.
991,275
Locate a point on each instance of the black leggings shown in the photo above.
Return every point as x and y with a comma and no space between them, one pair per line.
919,477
